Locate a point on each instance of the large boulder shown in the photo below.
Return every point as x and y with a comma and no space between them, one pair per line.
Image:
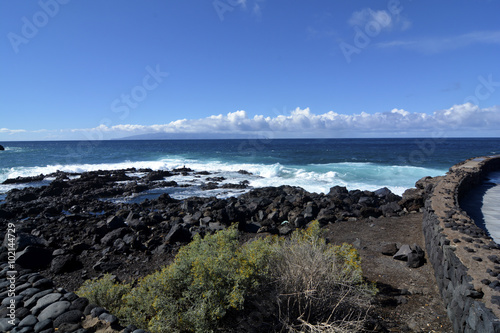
65,263
413,255
2,148
390,209
34,257
413,199
178,234
23,240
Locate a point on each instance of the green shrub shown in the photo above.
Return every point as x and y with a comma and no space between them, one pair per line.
208,277
105,292
312,286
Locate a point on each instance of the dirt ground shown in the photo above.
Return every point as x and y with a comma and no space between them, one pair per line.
409,300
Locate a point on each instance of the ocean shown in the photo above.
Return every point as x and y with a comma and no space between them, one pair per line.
313,164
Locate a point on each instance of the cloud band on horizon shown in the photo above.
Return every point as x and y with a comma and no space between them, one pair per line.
467,119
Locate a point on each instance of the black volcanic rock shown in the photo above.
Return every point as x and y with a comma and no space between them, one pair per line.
33,257
178,234
157,175
81,226
24,240
115,222
64,263
2,148
24,195
412,199
390,209
416,258
23,180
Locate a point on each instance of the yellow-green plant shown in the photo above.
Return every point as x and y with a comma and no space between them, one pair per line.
105,292
318,285
208,277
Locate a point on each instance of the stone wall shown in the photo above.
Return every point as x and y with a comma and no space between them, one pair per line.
466,260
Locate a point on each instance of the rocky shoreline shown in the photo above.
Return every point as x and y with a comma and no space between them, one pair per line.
75,228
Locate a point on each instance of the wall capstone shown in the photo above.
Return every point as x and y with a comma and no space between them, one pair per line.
466,260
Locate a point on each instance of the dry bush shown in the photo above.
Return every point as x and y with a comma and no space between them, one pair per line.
320,286
308,286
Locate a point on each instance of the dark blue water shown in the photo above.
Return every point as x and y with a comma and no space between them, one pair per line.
315,164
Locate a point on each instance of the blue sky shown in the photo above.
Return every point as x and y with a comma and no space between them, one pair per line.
93,69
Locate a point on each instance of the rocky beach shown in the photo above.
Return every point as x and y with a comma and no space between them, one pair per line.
81,226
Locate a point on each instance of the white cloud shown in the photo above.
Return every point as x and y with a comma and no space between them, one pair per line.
257,9
438,45
469,116
303,122
387,20
366,15
11,131
459,120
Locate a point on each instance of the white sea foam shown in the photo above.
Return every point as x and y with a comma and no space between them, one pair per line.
14,149
314,177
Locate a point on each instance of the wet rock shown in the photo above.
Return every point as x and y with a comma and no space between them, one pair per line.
157,175
24,180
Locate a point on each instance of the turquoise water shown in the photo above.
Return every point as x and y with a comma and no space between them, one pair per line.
314,164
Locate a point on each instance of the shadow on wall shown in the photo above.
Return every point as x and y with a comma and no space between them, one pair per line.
472,203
